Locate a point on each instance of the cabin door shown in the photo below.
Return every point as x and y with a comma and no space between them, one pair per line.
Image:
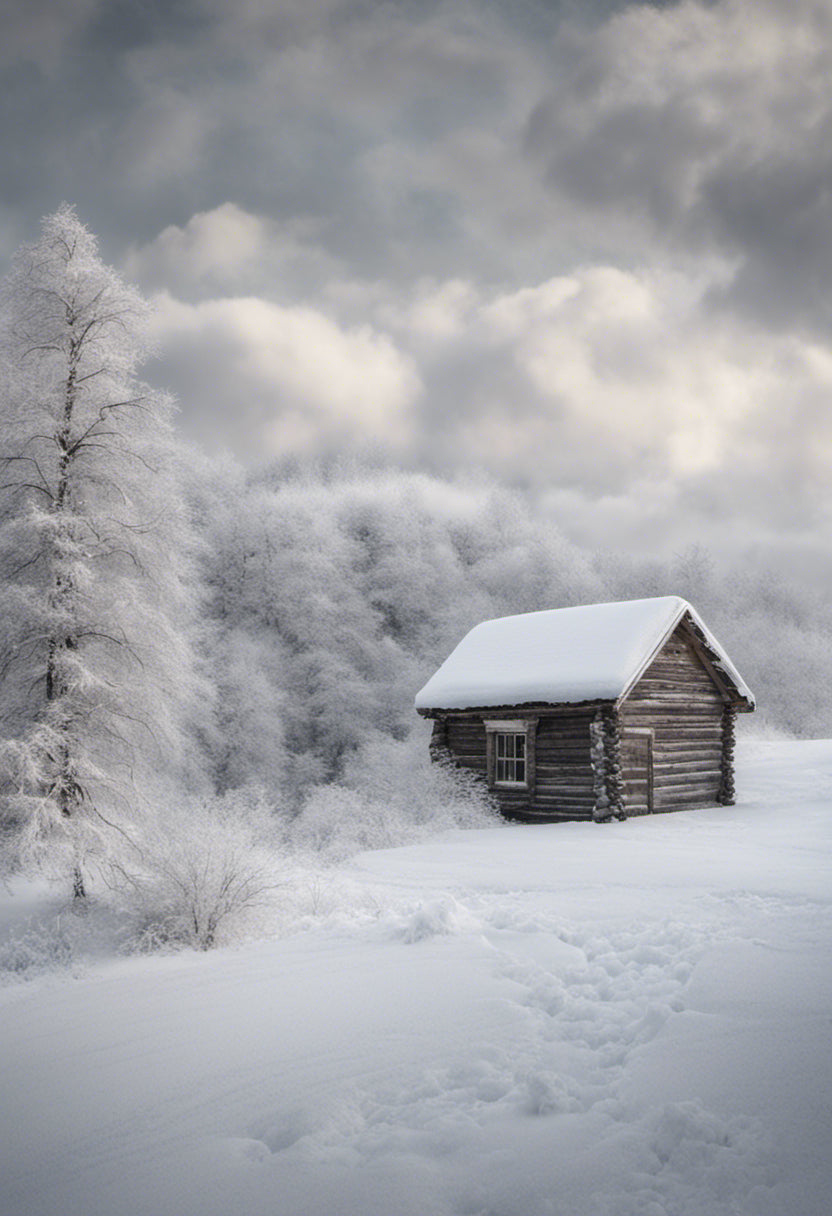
637,771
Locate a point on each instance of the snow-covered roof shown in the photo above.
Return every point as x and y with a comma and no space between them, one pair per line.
566,655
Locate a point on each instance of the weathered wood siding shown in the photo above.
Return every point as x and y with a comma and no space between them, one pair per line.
677,700
467,744
563,785
564,788
637,770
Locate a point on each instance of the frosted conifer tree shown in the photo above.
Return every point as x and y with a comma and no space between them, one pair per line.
94,665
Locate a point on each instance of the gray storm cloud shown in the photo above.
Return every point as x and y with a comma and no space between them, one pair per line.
583,248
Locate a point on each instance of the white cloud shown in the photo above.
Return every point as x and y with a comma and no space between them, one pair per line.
620,361
605,382
702,127
227,249
600,376
271,380
436,312
213,244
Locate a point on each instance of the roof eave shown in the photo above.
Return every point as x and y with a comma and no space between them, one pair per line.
529,707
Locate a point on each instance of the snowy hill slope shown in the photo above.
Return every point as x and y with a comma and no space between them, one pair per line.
524,1021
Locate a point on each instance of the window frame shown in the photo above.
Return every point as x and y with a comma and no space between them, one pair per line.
510,757
524,728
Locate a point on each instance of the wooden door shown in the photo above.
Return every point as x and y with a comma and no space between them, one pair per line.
637,771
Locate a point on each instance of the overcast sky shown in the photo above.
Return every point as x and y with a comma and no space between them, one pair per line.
582,246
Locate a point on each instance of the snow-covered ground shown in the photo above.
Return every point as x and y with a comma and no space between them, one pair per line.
573,1019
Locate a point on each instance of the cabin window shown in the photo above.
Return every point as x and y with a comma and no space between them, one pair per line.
511,752
509,758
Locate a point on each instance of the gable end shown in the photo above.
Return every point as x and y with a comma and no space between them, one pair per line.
702,655
678,675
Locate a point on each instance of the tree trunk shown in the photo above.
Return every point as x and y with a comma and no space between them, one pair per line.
79,890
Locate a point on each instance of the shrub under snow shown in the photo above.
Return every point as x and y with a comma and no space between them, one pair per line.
391,794
202,869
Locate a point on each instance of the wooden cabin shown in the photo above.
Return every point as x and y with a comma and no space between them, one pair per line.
597,712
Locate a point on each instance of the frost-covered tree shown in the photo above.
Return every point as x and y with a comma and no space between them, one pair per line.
95,667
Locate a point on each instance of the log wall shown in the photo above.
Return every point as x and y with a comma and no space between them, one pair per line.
563,786
678,702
